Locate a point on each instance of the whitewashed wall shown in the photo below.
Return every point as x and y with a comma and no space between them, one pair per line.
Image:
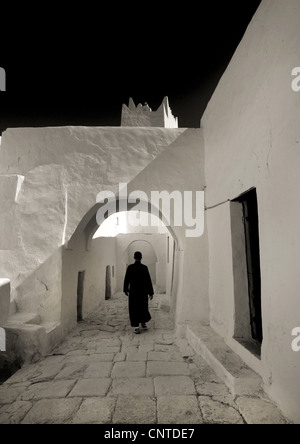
252,139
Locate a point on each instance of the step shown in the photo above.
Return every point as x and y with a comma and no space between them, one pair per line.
24,318
231,369
53,332
28,337
26,341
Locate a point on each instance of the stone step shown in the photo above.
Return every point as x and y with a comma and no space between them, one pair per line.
26,341
49,326
231,369
25,318
53,333
28,337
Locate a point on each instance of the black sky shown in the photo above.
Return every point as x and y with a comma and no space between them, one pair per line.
77,66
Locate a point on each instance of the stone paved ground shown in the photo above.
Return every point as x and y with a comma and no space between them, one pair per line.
104,374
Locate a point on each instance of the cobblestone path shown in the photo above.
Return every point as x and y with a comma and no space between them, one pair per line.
104,374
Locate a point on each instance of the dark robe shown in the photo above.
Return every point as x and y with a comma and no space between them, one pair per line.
138,284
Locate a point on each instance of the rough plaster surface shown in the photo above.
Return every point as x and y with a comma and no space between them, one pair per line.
251,133
64,169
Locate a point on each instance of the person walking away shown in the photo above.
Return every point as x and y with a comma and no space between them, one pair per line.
138,287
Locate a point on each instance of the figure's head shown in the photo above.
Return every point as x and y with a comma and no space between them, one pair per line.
138,256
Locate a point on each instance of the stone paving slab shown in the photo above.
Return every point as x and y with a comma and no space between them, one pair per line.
216,412
128,386
212,388
174,385
128,348
119,357
108,349
95,411
258,411
49,389
158,356
178,410
73,370
146,348
135,410
79,351
104,374
52,411
101,357
165,356
162,368
42,371
137,356
9,395
98,370
15,412
91,387
22,375
129,369
115,342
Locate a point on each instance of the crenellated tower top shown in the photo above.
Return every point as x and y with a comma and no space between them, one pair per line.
142,115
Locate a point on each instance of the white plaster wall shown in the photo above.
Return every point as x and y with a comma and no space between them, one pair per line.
192,301
64,169
102,253
221,289
180,167
252,136
9,191
39,292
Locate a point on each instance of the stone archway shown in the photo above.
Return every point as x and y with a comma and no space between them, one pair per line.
95,258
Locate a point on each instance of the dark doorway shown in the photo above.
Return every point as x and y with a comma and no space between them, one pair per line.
107,283
250,230
80,288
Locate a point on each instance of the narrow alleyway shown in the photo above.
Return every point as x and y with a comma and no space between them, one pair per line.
103,374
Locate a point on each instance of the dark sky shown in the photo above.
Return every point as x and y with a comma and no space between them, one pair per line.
77,66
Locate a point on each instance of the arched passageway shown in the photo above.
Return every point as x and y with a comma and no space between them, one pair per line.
97,265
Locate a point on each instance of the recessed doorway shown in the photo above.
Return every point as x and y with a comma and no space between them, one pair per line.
107,283
246,269
80,289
